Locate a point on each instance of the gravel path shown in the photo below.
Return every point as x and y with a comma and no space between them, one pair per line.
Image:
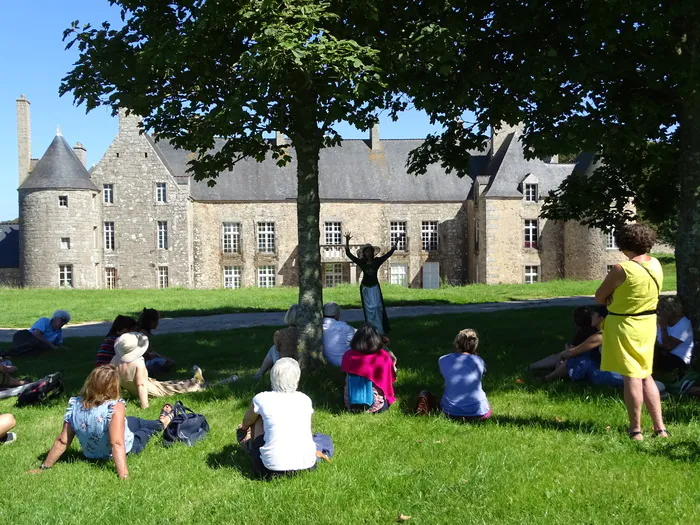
213,323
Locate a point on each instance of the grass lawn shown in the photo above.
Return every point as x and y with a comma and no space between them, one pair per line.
104,305
551,453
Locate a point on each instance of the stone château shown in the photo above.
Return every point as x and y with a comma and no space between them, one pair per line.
138,220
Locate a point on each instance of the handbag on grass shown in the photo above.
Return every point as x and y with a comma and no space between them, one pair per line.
186,427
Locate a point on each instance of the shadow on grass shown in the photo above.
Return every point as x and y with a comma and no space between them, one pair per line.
233,457
683,451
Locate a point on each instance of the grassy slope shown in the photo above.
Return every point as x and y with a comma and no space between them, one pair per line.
104,305
551,454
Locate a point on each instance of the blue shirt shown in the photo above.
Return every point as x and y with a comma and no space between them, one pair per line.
463,396
55,337
91,427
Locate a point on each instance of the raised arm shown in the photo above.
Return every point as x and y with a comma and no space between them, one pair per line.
383,258
354,259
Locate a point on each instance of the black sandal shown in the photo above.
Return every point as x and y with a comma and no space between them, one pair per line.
633,435
661,432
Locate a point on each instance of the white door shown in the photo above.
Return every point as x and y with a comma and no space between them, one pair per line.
431,275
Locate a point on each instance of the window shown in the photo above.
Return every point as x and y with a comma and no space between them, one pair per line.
397,235
232,277
109,236
266,237
108,193
333,275
531,233
231,237
532,274
399,274
266,277
63,201
610,243
65,275
161,196
65,243
162,277
333,233
429,236
162,235
111,278
531,193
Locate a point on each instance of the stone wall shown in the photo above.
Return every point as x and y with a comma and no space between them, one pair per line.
133,167
44,223
368,222
10,277
585,252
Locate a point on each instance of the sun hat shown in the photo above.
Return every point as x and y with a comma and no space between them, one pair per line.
130,346
331,310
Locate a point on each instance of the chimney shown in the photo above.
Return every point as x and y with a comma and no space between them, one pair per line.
374,143
501,133
279,139
24,138
130,123
81,153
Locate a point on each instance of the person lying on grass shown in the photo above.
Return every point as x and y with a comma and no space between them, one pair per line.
155,362
284,342
121,325
464,398
370,372
580,360
98,418
276,429
45,334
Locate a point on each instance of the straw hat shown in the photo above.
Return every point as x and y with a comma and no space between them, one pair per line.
130,346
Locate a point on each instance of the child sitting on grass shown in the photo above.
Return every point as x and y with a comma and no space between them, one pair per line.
464,398
121,325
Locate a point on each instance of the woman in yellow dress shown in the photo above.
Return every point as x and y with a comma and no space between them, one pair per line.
631,293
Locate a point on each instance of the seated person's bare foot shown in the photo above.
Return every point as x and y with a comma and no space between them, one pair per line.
166,415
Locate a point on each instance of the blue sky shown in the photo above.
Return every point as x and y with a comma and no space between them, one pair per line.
33,62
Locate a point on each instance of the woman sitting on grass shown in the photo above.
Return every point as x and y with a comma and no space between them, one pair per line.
276,429
674,337
371,372
121,325
98,418
7,369
580,360
284,342
464,398
45,334
155,363
7,423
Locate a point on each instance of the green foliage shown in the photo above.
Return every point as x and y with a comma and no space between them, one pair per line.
552,453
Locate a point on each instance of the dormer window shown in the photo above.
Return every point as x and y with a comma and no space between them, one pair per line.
531,193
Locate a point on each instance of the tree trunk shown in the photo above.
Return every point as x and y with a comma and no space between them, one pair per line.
688,241
310,327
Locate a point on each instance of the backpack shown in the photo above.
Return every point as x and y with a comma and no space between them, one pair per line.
360,391
186,427
45,389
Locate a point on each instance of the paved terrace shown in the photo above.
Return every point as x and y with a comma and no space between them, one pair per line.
213,323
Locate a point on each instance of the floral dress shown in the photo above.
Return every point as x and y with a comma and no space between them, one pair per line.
91,427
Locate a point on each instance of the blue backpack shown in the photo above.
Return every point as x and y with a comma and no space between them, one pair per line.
186,427
360,391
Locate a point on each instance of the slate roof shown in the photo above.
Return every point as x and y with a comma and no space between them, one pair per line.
351,171
59,168
509,167
9,245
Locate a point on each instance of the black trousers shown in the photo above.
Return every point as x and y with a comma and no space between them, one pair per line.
24,343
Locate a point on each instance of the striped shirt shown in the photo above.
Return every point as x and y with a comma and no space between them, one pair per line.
106,351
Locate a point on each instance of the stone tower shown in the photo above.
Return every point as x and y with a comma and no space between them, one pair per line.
59,219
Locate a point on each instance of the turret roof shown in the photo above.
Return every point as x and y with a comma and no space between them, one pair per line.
59,168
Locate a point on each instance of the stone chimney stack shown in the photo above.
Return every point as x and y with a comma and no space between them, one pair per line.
81,153
130,123
501,133
24,138
279,139
374,142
